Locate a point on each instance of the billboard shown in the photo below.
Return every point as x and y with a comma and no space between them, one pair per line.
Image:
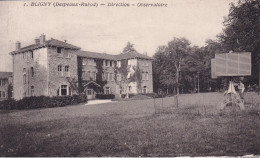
231,64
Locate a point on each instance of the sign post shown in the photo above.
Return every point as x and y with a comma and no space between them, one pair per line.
230,65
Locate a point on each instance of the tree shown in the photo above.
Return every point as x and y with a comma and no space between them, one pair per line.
242,31
129,48
169,61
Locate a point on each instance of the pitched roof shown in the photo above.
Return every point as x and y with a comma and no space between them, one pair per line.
128,55
132,54
96,55
5,74
51,42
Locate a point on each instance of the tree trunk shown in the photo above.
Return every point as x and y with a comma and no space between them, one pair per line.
177,81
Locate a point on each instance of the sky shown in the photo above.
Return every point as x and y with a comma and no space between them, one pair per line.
106,29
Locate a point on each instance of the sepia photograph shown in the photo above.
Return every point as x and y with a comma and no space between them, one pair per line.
130,78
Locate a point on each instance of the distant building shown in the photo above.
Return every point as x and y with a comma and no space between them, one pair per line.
5,83
49,67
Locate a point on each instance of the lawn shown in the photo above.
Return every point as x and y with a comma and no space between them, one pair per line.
131,128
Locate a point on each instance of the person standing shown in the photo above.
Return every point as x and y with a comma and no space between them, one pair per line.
241,89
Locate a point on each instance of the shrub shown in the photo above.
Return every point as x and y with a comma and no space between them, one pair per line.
105,96
35,102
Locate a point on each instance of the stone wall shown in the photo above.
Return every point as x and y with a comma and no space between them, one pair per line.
28,64
146,66
58,78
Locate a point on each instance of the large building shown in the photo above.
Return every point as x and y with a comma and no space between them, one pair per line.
53,67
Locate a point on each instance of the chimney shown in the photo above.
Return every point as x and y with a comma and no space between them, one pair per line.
18,45
37,41
42,39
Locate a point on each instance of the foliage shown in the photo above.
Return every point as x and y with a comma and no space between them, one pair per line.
129,48
169,61
73,85
80,81
10,90
36,102
100,71
105,96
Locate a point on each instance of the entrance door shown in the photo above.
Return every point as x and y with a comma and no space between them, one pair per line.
90,93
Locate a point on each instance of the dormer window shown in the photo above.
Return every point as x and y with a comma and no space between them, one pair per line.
59,50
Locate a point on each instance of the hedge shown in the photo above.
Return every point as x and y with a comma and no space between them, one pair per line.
36,102
105,96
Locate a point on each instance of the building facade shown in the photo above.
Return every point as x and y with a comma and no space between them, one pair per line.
5,85
53,67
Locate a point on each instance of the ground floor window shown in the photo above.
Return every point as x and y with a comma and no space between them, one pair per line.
32,90
2,94
89,91
107,90
64,90
144,89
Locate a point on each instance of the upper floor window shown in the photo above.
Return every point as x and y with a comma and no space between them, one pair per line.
107,62
24,78
66,53
84,61
66,68
118,77
111,63
83,75
31,52
32,71
111,77
59,68
118,63
2,82
94,76
59,50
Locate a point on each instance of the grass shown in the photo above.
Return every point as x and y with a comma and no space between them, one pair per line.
131,128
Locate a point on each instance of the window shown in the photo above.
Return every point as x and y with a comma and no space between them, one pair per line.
66,53
2,94
2,82
111,63
106,76
118,63
32,71
24,70
64,90
88,76
118,77
32,90
111,77
107,90
59,68
144,89
83,75
89,92
107,62
129,88
84,61
24,55
31,54
59,50
94,76
66,68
